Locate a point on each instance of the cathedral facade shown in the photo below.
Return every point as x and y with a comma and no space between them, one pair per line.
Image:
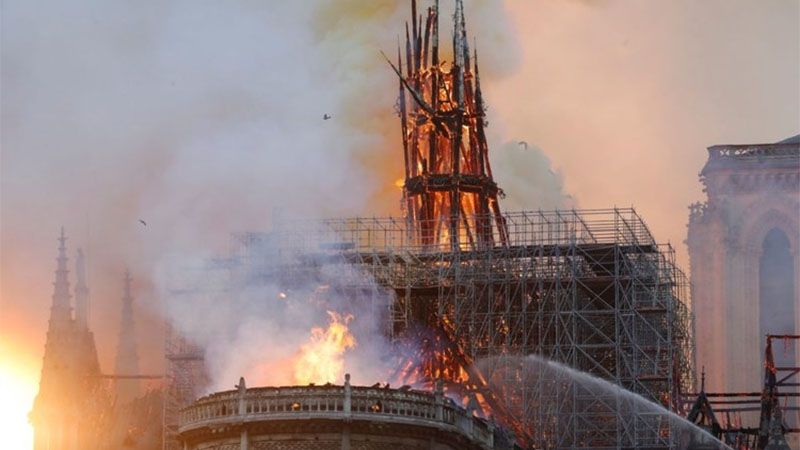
743,248
78,407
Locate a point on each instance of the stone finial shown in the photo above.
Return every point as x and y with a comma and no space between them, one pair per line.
348,393
439,387
242,387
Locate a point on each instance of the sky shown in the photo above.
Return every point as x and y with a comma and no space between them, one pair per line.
203,118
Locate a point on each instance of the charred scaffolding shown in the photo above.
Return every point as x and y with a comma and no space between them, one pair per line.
752,420
590,289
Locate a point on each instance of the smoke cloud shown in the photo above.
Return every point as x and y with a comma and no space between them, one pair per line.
200,119
528,178
203,117
255,323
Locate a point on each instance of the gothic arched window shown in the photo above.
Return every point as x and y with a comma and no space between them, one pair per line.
776,294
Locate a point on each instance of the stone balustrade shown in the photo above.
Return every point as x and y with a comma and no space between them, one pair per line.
332,402
756,152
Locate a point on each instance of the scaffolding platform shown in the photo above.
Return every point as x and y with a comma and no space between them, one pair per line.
591,289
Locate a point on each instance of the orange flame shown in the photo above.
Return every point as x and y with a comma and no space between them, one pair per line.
321,359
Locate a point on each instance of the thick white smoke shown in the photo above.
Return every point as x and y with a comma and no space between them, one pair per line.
254,323
200,118
528,178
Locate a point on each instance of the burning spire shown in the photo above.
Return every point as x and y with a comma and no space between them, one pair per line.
449,195
127,362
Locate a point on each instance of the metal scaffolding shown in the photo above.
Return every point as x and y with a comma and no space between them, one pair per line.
756,419
185,379
590,289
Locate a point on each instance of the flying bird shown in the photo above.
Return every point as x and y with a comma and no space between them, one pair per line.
142,222
326,116
523,144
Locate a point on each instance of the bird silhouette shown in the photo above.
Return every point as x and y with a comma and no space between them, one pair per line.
326,116
142,222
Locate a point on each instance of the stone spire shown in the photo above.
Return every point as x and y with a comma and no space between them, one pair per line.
127,361
81,293
777,440
63,416
61,311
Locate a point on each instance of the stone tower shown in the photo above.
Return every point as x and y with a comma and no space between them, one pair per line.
743,248
127,360
63,412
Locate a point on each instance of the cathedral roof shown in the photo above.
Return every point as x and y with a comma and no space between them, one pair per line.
791,140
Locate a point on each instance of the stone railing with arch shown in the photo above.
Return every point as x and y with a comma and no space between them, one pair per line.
334,402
